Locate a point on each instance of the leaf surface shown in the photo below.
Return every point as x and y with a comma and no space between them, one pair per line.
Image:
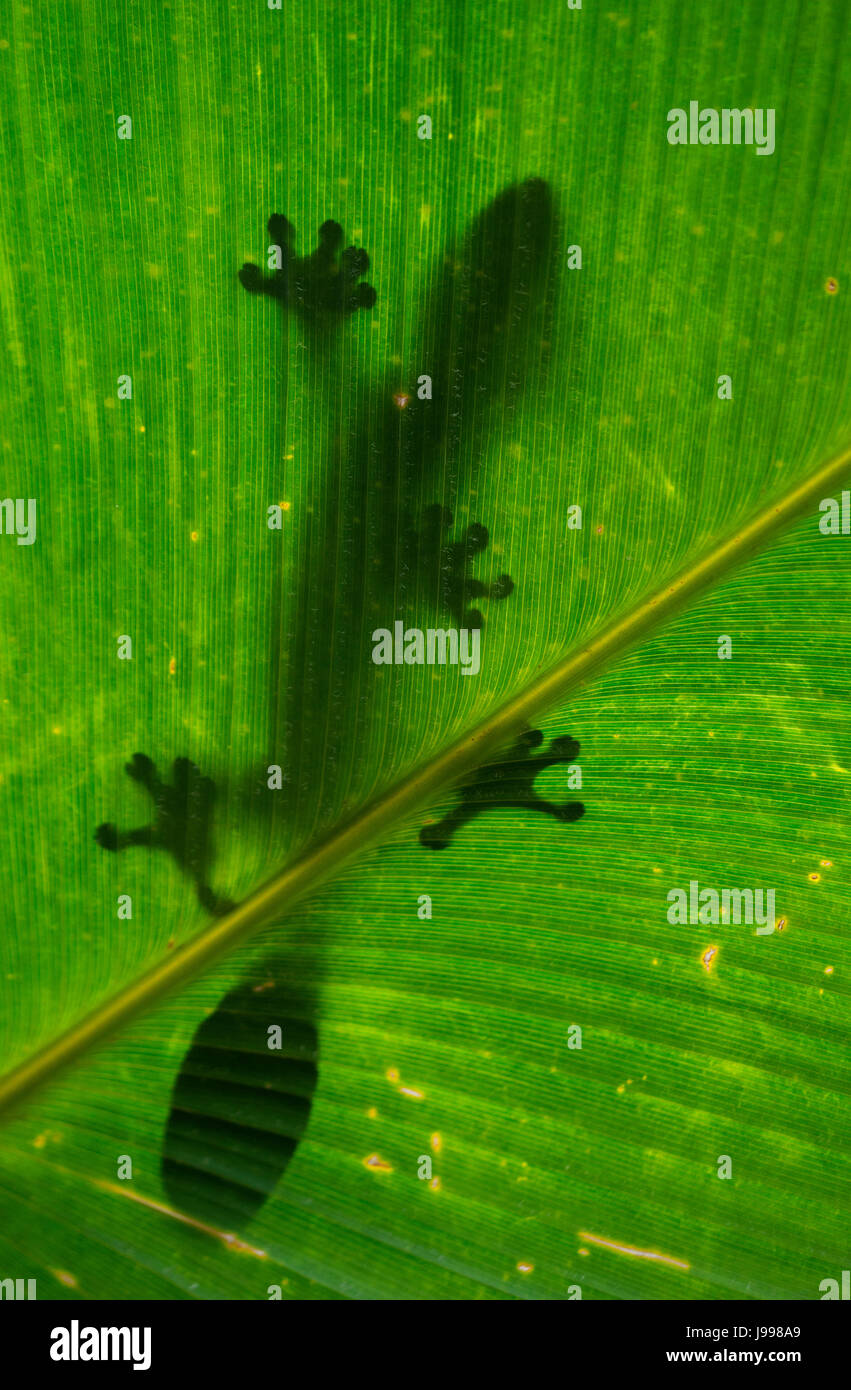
252,647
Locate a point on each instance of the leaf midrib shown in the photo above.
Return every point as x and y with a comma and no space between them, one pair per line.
319,863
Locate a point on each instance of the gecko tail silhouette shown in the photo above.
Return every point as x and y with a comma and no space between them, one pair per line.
241,1101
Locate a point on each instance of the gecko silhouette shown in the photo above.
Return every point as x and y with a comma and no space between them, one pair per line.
507,783
239,1111
182,823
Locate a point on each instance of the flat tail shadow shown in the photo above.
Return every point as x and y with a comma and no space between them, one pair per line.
241,1102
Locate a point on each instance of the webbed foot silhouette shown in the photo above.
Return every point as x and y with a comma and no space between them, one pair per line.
182,823
508,782
321,286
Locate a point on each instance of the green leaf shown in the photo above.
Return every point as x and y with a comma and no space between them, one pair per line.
408,1037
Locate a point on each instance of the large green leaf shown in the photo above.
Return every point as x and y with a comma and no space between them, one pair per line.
554,387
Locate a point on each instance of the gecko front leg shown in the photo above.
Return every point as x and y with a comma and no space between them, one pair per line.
182,824
320,287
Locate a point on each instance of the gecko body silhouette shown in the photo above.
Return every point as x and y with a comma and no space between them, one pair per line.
478,312
322,289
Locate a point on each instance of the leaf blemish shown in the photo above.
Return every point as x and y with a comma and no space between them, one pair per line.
377,1164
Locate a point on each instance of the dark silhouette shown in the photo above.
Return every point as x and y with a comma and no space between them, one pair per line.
321,286
485,326
380,532
239,1107
508,782
446,565
393,532
182,823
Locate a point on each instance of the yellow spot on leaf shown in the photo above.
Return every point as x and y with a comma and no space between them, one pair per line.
525,1268
48,1136
708,956
377,1164
65,1278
